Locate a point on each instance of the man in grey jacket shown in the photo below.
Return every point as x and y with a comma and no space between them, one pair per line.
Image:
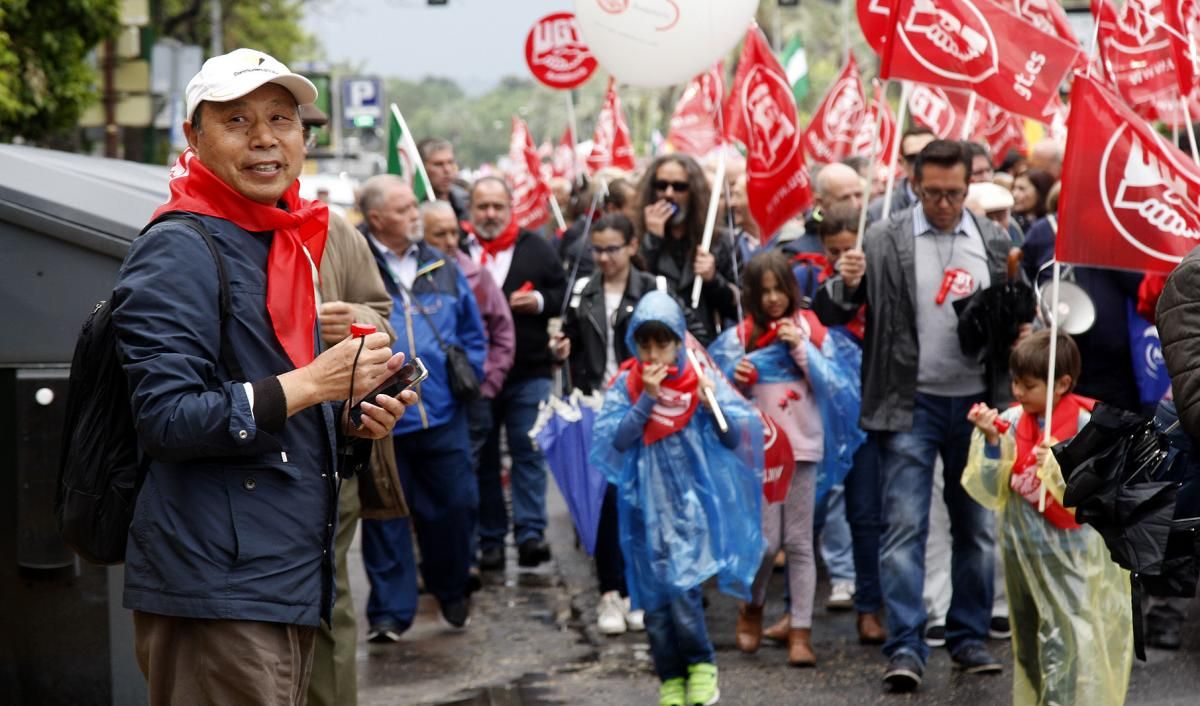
917,389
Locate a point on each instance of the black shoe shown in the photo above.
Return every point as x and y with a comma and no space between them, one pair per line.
532,552
474,583
974,658
1162,632
999,628
491,559
935,636
904,672
385,633
457,613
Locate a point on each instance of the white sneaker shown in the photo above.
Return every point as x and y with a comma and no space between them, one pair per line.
610,614
841,596
635,620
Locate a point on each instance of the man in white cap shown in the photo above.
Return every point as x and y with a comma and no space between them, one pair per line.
241,424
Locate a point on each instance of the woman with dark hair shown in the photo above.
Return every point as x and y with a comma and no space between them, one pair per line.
674,198
1029,197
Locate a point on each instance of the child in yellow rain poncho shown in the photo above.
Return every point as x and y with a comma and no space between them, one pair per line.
1071,632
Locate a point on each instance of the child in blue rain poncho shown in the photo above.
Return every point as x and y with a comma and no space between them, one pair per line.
688,495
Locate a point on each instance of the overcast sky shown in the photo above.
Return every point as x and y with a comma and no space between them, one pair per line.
475,42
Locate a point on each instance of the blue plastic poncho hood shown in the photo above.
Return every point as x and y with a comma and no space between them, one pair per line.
659,306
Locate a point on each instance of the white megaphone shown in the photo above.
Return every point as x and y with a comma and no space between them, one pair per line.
1076,313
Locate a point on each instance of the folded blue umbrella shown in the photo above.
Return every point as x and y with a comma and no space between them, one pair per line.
564,434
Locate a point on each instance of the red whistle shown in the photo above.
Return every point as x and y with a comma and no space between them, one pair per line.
525,288
947,282
359,330
1001,425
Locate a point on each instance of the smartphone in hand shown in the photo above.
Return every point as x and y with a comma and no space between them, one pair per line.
410,374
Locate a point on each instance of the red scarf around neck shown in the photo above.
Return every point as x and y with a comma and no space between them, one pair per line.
491,248
1024,480
816,330
678,397
291,301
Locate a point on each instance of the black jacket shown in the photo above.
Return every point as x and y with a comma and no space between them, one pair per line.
718,298
534,260
587,329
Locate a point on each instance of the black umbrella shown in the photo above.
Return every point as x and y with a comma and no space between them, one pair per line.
990,320
1132,478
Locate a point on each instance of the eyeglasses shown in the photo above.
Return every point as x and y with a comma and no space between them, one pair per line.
952,196
598,250
663,184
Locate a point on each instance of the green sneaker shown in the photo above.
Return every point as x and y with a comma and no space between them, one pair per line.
702,685
671,693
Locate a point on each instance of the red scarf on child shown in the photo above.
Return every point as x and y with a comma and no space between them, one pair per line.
291,300
506,239
1024,480
678,396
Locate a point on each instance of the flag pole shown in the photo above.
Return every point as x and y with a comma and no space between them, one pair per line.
966,130
575,173
905,91
1050,375
558,217
420,163
710,220
873,162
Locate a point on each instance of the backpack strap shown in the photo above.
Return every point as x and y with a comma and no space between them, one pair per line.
228,357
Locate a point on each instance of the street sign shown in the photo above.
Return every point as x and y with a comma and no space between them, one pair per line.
362,101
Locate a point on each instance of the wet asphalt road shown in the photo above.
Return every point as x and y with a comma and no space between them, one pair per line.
532,641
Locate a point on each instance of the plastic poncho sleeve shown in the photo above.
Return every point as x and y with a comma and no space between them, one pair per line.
986,479
1050,474
833,373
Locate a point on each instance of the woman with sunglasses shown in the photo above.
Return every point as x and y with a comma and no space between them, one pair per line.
595,326
674,196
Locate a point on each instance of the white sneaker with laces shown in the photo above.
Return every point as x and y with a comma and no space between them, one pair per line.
610,614
635,620
841,596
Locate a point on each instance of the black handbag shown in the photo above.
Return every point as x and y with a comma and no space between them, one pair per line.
464,384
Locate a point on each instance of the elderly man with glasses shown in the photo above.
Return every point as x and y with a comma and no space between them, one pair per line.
917,389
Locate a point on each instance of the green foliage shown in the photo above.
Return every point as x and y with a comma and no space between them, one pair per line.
271,26
45,78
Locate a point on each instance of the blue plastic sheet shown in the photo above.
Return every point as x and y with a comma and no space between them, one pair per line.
564,437
688,507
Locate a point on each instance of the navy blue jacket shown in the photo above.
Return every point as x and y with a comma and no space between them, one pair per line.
442,292
232,522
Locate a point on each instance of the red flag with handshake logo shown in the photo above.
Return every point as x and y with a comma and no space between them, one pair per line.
829,137
761,113
611,144
530,205
694,124
1129,197
981,46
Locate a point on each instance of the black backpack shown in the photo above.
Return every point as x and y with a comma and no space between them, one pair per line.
101,469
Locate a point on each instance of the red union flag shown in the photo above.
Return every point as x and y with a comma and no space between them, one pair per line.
829,136
1130,198
873,21
529,192
1136,54
562,159
1183,16
877,129
694,125
1046,15
977,45
941,110
761,113
1003,132
611,146
556,54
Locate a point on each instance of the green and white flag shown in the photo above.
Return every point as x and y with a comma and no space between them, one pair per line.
795,64
403,158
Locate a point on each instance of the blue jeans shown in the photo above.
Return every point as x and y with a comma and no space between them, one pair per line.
836,545
866,525
678,636
516,407
435,472
939,426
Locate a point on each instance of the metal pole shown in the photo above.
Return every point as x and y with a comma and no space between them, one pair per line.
112,132
710,221
873,161
966,131
905,91
1050,375
218,34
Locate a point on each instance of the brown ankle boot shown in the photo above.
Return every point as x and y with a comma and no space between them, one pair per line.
870,630
749,627
800,653
779,631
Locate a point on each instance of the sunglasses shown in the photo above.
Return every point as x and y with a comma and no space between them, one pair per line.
663,185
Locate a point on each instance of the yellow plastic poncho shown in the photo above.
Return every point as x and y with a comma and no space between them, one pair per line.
1072,635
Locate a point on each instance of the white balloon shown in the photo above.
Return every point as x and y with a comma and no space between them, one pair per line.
661,42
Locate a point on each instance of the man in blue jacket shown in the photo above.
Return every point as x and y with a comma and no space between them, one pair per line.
434,309
229,566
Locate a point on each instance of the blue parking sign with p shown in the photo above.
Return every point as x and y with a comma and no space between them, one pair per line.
362,102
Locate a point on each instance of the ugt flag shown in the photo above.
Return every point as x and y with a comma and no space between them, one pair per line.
562,160
944,111
611,145
1136,54
693,127
877,129
761,113
1183,16
977,45
1129,197
403,158
829,137
530,195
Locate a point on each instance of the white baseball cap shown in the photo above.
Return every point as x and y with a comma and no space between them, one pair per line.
990,197
233,75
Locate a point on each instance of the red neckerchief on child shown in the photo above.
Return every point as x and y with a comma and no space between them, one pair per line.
1024,480
677,400
291,299
491,248
816,330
